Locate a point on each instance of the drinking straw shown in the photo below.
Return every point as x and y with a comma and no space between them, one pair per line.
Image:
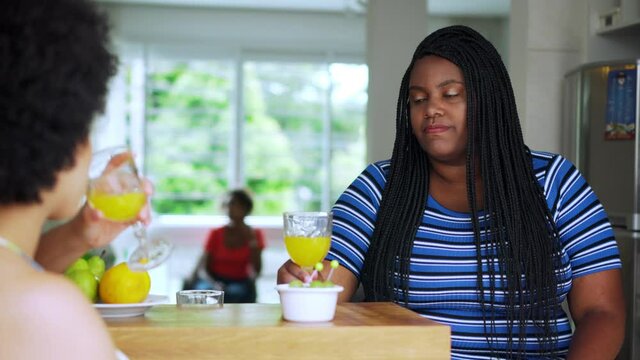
316,268
334,265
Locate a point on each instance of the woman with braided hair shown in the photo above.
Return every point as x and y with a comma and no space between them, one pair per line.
467,226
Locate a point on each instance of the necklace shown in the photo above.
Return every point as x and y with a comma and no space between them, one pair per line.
17,250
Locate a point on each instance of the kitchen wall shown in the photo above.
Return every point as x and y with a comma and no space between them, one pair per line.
548,39
232,30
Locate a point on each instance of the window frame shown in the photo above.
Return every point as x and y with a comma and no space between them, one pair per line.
111,125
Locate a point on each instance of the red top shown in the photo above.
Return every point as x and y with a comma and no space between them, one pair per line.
230,263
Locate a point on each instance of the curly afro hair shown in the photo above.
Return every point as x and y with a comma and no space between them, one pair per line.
55,64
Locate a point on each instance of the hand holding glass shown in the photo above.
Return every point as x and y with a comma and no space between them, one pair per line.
115,189
307,237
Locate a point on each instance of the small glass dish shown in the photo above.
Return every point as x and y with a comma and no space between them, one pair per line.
200,299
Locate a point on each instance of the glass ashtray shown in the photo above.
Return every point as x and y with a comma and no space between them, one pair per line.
200,298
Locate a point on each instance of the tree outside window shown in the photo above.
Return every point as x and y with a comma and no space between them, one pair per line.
300,126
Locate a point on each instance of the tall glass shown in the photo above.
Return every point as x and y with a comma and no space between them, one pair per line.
115,189
307,237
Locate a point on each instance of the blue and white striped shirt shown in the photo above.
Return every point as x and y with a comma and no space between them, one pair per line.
443,266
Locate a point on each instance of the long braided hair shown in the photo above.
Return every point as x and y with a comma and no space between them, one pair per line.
520,234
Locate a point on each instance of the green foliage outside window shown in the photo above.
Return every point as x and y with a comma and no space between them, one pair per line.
187,128
190,116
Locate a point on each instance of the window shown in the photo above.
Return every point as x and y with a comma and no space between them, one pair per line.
291,131
188,127
309,121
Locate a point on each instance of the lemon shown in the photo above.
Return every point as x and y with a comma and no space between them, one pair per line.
120,285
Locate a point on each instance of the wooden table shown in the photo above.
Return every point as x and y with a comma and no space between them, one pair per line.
257,331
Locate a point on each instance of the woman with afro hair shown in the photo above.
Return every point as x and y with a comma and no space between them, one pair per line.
54,68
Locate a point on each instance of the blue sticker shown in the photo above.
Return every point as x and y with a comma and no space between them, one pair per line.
621,105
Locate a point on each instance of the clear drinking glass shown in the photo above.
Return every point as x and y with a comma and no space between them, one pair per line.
115,189
307,237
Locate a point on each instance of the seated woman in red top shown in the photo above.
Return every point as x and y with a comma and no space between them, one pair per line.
232,256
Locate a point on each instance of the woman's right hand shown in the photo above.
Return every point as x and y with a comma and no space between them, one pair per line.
290,271
97,231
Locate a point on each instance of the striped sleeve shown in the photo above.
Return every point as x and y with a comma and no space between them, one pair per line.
581,220
354,216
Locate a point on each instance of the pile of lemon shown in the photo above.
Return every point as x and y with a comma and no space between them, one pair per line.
116,285
121,285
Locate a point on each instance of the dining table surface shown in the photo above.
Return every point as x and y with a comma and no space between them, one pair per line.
371,330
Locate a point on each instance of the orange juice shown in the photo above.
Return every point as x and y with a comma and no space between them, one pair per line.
117,207
307,251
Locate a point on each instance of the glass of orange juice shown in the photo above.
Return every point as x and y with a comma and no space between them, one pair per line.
115,189
307,237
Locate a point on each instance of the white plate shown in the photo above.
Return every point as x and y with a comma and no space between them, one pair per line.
130,310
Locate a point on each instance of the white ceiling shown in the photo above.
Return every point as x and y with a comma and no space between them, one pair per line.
471,8
297,5
484,8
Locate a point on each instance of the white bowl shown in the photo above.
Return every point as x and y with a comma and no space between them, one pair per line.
307,304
